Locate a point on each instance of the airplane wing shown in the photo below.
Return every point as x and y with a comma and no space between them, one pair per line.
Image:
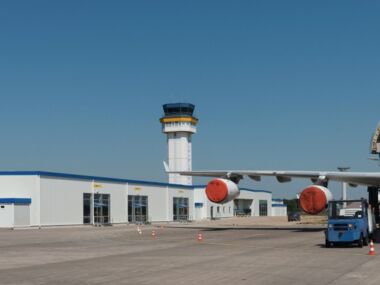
353,178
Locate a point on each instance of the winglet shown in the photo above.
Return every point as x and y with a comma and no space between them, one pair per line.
166,166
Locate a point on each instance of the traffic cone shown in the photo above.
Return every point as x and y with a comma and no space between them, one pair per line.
371,249
200,237
153,234
139,230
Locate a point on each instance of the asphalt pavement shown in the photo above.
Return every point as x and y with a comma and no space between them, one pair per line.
228,254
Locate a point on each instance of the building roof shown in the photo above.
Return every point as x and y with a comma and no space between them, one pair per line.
90,178
15,200
279,205
241,189
109,179
255,190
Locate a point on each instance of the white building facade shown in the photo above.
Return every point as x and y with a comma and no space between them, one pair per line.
49,199
279,209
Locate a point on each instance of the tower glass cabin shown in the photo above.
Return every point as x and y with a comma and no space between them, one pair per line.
179,123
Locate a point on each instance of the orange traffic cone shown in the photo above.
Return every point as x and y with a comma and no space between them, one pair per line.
371,249
153,234
200,237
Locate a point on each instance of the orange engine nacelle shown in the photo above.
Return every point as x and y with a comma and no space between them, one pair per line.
221,190
314,199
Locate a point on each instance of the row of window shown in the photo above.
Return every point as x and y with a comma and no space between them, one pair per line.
181,109
98,207
179,124
224,209
137,209
263,209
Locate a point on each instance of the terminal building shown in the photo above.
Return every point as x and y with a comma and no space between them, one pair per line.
39,198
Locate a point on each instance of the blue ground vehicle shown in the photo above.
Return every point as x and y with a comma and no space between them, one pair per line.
349,221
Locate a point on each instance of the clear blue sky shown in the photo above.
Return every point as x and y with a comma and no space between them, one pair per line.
276,84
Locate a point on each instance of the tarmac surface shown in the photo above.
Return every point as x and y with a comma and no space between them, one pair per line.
239,251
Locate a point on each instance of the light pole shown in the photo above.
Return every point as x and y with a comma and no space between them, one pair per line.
344,184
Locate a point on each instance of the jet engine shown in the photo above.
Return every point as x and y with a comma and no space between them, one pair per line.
314,199
221,190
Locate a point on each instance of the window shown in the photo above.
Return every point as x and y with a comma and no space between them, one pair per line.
346,210
263,207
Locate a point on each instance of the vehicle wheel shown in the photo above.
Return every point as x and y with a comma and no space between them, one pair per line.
327,243
360,241
366,240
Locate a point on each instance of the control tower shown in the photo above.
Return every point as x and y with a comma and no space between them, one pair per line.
178,123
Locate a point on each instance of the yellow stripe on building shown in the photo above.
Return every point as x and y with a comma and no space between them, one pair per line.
192,120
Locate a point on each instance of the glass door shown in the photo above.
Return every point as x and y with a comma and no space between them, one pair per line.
137,209
102,208
180,209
